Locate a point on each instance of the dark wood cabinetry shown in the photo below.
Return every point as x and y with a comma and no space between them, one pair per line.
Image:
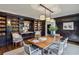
39,25
15,25
10,23
2,31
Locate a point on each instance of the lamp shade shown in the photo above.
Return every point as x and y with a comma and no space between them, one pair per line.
48,19
52,20
42,17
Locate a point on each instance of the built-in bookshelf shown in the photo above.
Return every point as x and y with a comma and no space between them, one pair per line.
35,25
21,25
2,26
2,31
28,29
10,23
15,25
39,25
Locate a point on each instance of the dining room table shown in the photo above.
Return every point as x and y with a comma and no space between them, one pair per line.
44,42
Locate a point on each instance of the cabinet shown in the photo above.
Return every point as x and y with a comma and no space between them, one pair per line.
2,31
15,25
2,26
28,29
39,26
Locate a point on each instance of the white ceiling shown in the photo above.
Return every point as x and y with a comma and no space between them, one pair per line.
27,10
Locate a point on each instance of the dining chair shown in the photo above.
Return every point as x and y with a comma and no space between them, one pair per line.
31,50
37,34
56,49
66,42
17,38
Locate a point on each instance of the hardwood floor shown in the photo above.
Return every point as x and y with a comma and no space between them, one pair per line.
9,47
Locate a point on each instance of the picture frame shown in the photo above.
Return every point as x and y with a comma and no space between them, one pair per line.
68,26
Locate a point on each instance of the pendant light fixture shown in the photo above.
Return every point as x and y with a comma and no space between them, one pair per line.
51,20
48,17
44,17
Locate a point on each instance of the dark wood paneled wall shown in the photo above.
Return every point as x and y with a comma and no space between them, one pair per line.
7,39
72,34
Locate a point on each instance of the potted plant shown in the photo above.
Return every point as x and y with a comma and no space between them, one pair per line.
53,29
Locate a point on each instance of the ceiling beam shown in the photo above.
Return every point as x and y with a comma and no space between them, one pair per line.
46,8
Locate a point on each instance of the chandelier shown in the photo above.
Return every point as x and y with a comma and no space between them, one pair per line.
44,17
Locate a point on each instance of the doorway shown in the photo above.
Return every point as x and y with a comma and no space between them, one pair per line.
48,32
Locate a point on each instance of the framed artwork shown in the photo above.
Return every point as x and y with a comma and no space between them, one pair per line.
68,26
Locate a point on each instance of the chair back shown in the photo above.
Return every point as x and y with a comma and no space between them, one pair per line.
66,39
17,37
65,42
27,48
61,47
37,33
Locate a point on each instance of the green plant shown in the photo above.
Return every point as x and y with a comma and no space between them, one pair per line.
52,28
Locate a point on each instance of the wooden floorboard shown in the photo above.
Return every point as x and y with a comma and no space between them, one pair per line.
9,48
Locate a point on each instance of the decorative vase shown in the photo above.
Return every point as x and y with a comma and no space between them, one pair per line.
53,33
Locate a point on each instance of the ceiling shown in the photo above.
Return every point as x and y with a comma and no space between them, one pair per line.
29,11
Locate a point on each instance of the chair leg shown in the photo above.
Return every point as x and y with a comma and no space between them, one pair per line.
21,43
13,45
60,52
0,51
45,52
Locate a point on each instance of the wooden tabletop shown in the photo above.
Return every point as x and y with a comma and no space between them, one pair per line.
46,43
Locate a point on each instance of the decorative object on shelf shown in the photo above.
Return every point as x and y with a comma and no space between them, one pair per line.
9,22
26,26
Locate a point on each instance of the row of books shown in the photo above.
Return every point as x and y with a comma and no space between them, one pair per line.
2,18
2,29
2,21
1,34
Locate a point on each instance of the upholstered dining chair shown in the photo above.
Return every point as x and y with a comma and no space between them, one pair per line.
17,38
56,49
37,34
59,47
66,42
31,50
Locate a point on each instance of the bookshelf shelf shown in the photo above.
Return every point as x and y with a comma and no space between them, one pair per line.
15,25
2,26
